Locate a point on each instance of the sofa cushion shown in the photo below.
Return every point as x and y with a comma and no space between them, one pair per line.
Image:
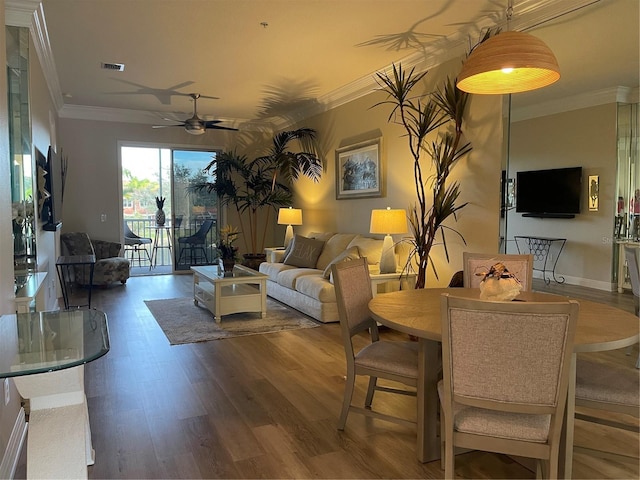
304,252
273,269
289,278
324,236
369,247
316,286
333,247
352,253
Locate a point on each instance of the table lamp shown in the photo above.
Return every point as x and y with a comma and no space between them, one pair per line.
388,222
289,216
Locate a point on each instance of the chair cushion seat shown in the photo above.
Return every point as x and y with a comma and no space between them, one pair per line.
376,355
492,423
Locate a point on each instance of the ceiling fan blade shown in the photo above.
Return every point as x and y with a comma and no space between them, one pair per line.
165,126
218,127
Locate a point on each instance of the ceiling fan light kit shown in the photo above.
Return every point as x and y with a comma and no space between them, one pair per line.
509,62
195,125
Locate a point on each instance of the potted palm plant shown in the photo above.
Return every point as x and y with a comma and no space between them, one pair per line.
262,184
436,196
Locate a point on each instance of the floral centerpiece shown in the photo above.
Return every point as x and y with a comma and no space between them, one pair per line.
227,251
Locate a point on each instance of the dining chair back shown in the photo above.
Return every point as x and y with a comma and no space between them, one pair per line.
391,360
195,243
135,244
505,377
477,264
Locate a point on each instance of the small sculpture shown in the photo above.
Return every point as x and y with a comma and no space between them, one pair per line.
498,284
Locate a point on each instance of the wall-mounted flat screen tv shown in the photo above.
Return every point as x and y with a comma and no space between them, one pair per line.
553,193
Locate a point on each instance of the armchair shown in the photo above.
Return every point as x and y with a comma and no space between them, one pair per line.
109,267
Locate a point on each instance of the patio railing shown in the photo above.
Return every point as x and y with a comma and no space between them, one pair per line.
164,240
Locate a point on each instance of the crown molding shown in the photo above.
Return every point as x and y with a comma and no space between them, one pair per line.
30,14
527,15
576,102
123,115
18,13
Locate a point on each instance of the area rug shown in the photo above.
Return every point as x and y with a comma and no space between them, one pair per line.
183,322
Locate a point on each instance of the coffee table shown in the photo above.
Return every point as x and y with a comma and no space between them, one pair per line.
243,290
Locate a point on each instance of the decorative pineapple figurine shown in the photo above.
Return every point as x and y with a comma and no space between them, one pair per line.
160,216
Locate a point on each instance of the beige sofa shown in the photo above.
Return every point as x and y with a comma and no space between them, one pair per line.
308,288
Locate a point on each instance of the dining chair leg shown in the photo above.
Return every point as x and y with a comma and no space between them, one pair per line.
346,402
449,457
370,391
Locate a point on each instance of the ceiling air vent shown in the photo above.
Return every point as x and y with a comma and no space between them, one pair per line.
118,67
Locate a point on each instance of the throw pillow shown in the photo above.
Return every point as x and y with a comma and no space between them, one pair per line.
350,254
304,252
369,247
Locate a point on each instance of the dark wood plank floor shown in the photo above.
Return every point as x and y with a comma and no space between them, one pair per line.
266,406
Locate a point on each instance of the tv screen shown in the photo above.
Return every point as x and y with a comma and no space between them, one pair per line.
549,193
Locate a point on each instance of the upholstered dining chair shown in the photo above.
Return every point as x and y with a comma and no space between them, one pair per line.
136,244
604,388
506,369
391,360
474,264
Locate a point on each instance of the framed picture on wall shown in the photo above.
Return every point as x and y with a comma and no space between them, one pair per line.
359,170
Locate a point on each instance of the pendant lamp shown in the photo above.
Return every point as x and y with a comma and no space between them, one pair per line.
509,62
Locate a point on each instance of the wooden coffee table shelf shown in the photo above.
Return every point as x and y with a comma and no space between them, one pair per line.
245,290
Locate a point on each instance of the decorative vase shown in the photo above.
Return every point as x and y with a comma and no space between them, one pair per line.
228,264
160,217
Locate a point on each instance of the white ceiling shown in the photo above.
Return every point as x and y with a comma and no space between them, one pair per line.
268,60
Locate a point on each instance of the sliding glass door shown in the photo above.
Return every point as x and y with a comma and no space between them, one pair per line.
184,232
195,213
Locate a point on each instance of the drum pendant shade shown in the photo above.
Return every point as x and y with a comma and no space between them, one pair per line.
509,62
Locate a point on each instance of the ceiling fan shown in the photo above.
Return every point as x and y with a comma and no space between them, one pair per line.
195,125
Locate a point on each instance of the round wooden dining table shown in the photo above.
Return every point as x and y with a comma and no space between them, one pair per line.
600,327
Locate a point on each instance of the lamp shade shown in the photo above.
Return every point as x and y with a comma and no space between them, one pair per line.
509,62
290,216
388,221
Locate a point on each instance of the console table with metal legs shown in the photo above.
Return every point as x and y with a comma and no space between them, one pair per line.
546,252
65,266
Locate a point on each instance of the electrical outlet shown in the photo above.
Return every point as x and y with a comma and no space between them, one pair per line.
103,217
7,392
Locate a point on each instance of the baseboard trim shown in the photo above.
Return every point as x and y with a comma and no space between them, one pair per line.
14,448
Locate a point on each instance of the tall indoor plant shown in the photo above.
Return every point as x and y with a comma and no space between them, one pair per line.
421,115
252,186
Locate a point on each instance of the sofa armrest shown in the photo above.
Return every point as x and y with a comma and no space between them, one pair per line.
277,256
106,249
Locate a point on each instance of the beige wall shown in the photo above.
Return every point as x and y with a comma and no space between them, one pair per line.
478,174
94,188
582,138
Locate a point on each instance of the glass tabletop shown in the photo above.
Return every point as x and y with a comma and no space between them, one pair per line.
39,342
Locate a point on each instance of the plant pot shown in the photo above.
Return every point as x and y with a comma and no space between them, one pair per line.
253,260
228,264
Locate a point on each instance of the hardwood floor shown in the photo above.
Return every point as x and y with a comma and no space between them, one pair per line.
266,406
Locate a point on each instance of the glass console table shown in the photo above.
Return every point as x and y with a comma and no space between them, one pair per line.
545,251
45,355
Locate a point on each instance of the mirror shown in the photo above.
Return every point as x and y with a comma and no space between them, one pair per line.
573,123
22,171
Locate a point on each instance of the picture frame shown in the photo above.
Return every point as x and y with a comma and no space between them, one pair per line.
594,192
360,170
